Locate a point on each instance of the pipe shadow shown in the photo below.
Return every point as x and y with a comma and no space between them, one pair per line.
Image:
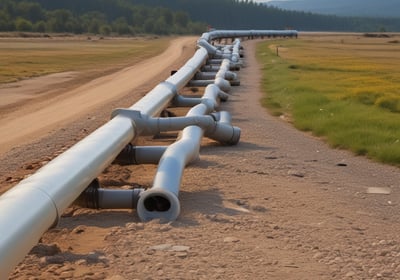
195,205
245,146
54,255
103,218
252,146
206,204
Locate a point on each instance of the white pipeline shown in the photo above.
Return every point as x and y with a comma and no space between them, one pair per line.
36,203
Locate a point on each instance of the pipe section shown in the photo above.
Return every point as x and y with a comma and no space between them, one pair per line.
161,201
97,198
211,76
140,155
35,204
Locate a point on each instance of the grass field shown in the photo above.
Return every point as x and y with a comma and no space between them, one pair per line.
30,57
344,88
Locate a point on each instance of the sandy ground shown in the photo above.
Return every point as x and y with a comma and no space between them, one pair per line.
279,205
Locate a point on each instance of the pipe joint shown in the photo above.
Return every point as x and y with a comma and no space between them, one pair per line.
224,132
210,103
179,123
181,101
170,86
151,126
132,155
96,198
141,123
223,84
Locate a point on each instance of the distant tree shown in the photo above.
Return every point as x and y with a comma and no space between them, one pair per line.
5,21
181,19
30,11
92,21
39,26
121,26
22,24
161,27
167,16
148,25
58,19
105,29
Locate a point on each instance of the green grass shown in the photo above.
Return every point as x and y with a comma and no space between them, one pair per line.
345,90
25,58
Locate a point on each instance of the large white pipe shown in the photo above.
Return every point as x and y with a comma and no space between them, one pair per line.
34,205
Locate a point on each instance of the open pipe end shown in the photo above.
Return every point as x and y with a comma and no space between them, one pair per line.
158,204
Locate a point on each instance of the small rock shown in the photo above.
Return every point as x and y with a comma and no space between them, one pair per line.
95,257
79,229
179,248
231,240
258,208
376,190
181,255
162,247
296,173
29,167
116,277
67,275
350,274
81,262
241,203
42,250
318,255
165,228
271,157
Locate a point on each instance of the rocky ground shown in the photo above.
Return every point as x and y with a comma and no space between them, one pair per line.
279,205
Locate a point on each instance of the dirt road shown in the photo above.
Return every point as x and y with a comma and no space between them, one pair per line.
279,205
34,118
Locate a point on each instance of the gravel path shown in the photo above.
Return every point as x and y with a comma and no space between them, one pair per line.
279,205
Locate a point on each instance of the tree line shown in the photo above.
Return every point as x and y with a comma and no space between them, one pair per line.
129,17
94,16
239,14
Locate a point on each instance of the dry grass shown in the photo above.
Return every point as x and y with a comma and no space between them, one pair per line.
29,57
345,88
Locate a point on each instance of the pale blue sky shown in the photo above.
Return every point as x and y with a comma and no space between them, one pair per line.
261,1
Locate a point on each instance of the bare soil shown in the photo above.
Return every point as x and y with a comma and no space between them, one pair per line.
279,205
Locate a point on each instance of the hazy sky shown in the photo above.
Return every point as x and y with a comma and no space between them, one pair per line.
261,1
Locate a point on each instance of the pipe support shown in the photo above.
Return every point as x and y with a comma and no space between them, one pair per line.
140,155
